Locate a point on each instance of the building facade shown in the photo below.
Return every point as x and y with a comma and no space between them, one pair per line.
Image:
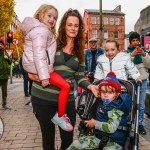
113,25
142,26
15,23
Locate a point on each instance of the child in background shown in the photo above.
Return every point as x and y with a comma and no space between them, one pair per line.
141,59
118,62
111,113
38,57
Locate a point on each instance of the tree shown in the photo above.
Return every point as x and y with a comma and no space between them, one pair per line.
6,15
20,37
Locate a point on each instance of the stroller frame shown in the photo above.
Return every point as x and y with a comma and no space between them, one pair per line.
87,104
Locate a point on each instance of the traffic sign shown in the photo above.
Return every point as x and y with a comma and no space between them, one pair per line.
15,41
9,51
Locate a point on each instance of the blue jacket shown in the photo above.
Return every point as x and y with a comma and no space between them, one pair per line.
123,103
88,58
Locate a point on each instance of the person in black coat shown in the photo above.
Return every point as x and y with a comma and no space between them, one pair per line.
27,81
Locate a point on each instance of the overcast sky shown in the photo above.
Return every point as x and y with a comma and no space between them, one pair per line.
131,8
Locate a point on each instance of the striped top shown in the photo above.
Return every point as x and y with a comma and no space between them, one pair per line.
70,70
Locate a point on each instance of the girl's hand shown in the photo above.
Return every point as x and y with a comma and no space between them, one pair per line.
45,82
90,123
94,89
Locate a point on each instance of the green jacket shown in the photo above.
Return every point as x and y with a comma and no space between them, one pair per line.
4,67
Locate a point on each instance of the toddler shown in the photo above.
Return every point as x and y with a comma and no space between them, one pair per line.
112,112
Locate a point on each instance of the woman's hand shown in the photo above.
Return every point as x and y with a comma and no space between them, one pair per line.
90,123
34,77
45,82
94,89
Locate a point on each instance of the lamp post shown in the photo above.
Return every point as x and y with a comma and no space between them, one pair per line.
101,25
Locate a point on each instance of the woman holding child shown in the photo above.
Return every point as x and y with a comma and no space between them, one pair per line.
69,63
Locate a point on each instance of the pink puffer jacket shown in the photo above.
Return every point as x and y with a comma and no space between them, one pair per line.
38,40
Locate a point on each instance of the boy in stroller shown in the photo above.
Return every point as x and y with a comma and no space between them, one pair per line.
112,113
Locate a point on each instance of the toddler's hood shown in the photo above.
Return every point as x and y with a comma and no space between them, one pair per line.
29,23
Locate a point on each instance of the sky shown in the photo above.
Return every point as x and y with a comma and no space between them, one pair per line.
132,8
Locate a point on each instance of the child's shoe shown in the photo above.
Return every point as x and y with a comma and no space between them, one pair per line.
63,122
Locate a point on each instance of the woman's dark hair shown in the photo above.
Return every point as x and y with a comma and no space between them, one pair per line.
79,39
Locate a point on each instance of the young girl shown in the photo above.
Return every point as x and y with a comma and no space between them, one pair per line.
38,57
118,62
112,112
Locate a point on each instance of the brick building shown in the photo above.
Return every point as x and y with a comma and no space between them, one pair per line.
113,23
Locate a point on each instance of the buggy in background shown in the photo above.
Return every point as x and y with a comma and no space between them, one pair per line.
107,132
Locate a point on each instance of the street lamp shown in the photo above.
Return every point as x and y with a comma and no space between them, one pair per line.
101,25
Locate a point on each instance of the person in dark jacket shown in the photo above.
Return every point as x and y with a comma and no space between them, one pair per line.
91,56
5,63
111,113
141,59
27,82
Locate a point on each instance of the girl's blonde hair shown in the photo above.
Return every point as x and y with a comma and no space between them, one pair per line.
41,11
110,41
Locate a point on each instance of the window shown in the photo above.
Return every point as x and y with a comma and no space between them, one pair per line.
98,20
93,20
105,20
117,21
116,34
111,21
105,34
94,33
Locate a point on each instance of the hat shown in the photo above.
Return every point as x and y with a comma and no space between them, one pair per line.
134,35
111,80
93,39
2,42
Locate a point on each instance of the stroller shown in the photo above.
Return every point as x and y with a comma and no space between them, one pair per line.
87,106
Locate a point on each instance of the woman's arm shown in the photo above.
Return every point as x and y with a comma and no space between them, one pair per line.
79,76
34,77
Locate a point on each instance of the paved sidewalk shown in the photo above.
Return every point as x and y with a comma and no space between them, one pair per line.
21,129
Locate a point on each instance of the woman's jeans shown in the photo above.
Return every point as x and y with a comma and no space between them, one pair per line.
142,97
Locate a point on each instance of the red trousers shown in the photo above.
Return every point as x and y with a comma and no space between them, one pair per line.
58,81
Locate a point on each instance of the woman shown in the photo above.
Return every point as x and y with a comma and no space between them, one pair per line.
69,63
